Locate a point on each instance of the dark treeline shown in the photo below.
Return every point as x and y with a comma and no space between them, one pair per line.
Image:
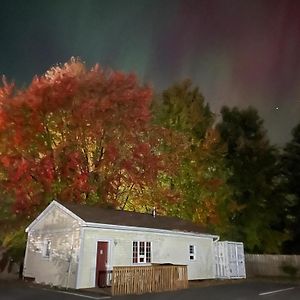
261,179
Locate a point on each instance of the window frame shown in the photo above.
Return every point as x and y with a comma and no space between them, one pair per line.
192,252
141,252
46,250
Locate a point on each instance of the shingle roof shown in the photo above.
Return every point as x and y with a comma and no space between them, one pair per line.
96,214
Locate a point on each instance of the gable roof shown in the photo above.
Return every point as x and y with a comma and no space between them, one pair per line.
95,214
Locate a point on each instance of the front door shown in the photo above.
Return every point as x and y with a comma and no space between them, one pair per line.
101,266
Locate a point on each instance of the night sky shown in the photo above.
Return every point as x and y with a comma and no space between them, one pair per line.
238,52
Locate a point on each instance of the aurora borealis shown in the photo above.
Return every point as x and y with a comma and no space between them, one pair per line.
238,52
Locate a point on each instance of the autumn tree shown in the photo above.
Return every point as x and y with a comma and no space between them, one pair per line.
78,134
201,180
254,179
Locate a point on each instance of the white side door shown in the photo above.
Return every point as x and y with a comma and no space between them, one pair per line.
241,261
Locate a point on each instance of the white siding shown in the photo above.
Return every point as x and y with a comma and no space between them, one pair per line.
166,248
230,260
63,231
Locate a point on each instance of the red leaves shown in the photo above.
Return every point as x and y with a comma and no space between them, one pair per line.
6,161
74,132
214,183
7,89
2,119
21,168
71,163
18,137
81,182
142,150
105,104
46,171
111,153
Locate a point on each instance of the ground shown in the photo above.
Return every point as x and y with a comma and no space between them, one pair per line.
242,290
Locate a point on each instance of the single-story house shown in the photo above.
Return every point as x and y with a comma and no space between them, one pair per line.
71,245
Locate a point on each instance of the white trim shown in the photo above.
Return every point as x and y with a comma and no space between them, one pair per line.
80,257
50,231
138,263
232,242
47,210
145,229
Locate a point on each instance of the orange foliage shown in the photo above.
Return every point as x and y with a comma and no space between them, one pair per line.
76,133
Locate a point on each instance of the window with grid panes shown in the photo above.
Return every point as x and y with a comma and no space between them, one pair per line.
141,252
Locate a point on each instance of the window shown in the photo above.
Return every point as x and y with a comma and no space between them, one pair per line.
148,252
192,252
47,249
141,252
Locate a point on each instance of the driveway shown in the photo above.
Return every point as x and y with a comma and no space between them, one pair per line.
18,290
247,290
254,290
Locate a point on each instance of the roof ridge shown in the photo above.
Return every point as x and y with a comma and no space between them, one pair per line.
120,217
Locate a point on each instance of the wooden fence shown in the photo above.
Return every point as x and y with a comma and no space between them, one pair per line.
148,279
270,265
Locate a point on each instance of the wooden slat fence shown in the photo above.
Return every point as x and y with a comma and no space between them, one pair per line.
270,265
148,279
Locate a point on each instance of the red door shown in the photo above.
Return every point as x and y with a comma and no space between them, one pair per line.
101,271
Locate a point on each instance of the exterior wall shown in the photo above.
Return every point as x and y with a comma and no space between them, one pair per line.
60,268
166,248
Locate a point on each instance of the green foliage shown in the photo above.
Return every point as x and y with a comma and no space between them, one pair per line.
201,179
255,180
290,270
182,108
12,232
14,242
290,164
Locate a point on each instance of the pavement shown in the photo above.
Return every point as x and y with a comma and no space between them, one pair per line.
220,290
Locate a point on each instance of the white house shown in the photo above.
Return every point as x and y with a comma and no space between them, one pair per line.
72,245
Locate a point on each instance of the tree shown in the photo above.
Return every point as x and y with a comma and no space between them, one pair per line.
78,135
290,161
254,179
201,179
182,108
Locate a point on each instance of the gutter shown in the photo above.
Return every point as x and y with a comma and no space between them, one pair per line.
150,230
217,239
